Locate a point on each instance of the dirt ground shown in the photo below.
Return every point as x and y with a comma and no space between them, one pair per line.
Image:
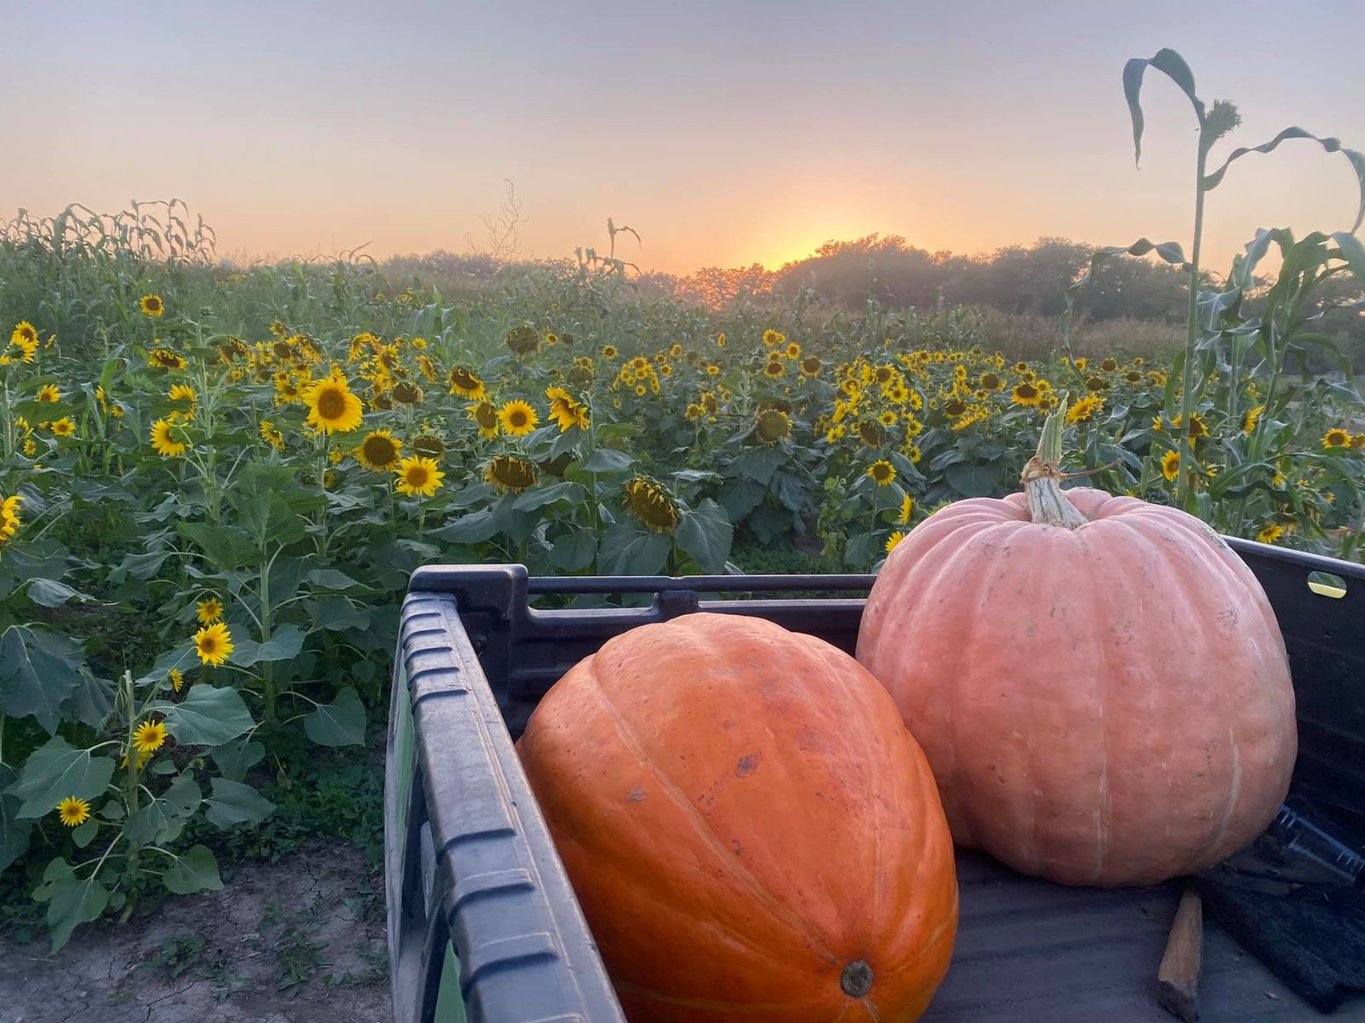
300,941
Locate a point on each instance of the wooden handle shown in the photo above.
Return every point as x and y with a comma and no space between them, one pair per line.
1177,988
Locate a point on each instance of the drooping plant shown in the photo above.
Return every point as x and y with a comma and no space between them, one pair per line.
1212,323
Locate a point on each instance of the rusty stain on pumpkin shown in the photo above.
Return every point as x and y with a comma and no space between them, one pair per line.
747,765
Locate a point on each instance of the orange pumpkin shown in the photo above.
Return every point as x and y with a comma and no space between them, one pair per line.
1099,683
750,829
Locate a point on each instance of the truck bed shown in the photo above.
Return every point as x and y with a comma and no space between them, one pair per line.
1031,951
483,924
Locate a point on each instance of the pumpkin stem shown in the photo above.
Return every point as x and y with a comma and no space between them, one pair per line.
1042,477
856,980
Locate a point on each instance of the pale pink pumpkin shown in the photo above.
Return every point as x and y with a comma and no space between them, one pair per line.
1105,700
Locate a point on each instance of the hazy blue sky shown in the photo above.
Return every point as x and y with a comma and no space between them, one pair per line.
725,133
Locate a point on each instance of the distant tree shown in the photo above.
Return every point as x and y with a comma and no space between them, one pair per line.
1015,278
849,273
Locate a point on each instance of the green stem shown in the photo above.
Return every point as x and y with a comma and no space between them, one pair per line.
267,674
1187,396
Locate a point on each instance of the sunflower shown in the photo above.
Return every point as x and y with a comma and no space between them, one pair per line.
772,425
405,392
991,382
510,474
428,445
379,451
183,393
64,427
9,517
209,610
332,408
1170,465
881,472
213,643
1252,417
810,366
1336,438
164,443
650,504
485,415
523,340
271,435
1084,410
149,736
73,811
1270,532
1026,393
566,410
419,477
177,678
517,418
25,338
151,305
793,350
775,369
609,352
466,383
1109,365
871,433
49,393
894,539
1198,427
164,358
907,508
773,338
889,418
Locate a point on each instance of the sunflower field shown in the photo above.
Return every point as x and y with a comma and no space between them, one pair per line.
216,482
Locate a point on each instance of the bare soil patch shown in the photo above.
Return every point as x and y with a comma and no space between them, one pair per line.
299,941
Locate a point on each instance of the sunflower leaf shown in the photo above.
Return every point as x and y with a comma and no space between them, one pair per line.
38,670
163,820
52,593
14,831
70,900
629,550
283,645
57,770
234,803
226,547
235,758
339,723
208,716
85,833
705,535
472,528
195,871
606,460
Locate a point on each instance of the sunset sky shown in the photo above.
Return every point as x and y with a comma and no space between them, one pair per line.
725,133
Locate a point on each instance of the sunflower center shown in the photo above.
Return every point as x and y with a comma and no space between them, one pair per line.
331,404
418,476
380,450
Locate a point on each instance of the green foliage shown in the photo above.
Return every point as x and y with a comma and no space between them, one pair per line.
201,565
